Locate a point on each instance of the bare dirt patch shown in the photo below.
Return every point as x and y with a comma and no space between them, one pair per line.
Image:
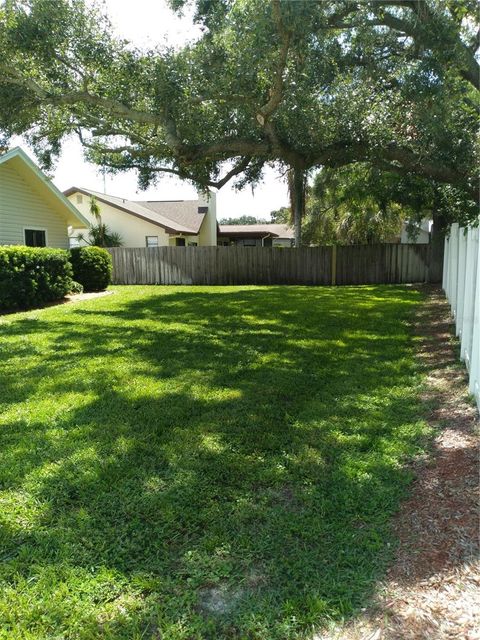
79,297
432,590
218,600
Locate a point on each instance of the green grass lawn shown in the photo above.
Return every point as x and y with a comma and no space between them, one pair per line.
190,463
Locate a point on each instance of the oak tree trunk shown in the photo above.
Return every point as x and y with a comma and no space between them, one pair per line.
297,196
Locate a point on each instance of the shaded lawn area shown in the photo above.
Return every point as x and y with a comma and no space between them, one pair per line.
216,462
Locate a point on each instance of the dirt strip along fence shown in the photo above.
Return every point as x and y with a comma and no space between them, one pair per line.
359,264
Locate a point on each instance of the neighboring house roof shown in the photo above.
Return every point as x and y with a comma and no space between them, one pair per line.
28,171
182,212
175,216
255,230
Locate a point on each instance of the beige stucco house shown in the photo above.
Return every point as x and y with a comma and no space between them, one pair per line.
33,211
151,223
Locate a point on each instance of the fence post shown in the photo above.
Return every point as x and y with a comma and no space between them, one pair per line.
334,264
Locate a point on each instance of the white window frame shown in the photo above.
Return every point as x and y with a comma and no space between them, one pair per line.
73,242
151,246
30,228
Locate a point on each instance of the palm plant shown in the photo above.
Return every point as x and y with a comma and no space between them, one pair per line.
99,235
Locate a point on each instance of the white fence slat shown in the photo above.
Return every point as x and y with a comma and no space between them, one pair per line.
462,256
469,295
461,283
446,263
453,268
475,353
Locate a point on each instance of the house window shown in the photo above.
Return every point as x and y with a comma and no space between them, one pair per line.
180,242
152,241
35,238
250,242
79,198
192,244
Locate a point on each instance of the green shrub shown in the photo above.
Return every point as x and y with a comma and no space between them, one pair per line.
31,276
92,267
76,287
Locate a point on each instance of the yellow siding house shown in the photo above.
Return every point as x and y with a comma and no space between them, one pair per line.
33,211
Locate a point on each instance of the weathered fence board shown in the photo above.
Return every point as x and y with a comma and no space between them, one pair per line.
366,264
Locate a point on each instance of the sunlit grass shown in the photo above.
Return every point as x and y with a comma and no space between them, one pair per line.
217,462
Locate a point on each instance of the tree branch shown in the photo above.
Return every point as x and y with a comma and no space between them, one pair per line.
399,159
240,167
114,107
276,92
470,70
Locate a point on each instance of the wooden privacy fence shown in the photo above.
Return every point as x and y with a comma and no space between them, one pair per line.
461,283
362,264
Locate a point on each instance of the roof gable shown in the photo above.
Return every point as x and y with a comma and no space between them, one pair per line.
28,170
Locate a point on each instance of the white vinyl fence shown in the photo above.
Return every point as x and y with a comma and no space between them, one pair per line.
461,283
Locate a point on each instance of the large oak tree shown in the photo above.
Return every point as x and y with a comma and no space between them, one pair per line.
300,84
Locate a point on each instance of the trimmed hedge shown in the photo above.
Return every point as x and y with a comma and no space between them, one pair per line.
31,276
92,267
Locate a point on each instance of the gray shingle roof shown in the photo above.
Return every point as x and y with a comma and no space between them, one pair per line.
182,212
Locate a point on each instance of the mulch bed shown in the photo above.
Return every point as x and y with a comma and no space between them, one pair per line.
432,590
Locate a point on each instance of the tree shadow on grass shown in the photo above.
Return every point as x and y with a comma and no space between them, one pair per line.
216,464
